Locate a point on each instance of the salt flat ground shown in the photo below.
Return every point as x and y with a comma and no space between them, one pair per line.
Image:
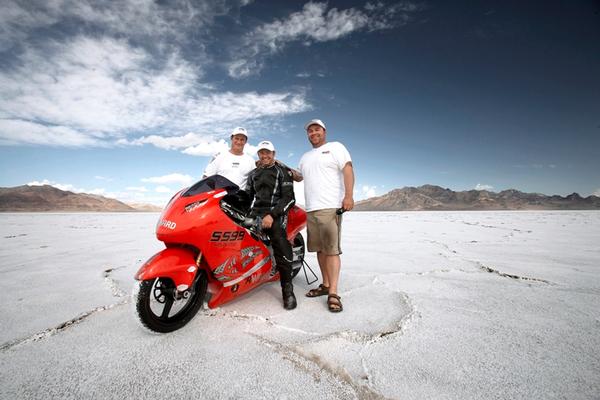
444,305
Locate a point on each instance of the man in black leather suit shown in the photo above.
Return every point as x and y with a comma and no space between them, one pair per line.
271,187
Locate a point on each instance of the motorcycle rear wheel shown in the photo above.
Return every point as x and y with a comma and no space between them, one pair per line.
298,242
158,311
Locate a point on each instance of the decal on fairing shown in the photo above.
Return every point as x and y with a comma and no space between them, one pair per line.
249,254
167,224
227,270
231,236
248,273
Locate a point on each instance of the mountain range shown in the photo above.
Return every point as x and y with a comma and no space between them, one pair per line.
431,197
427,197
48,198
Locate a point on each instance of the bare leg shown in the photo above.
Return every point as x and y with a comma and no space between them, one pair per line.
322,258
333,272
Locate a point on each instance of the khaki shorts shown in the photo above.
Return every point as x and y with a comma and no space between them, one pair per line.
324,230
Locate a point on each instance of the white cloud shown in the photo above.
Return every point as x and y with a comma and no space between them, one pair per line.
315,23
141,189
102,89
191,143
137,194
93,92
175,142
163,189
71,188
480,186
368,191
206,149
103,178
174,178
133,18
13,132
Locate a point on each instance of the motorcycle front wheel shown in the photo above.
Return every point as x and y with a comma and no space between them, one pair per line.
159,310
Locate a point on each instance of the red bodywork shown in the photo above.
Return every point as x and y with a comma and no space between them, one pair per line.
198,234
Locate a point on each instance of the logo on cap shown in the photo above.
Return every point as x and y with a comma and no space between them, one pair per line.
265,144
239,131
314,122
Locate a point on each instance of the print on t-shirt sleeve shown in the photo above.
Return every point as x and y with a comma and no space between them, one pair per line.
341,155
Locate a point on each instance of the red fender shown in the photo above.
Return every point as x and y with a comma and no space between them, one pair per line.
175,263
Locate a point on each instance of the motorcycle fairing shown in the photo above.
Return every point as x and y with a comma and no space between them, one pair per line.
234,260
178,264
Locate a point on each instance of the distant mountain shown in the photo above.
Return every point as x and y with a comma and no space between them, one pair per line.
145,207
431,197
49,198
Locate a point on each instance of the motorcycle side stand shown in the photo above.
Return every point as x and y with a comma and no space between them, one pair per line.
304,266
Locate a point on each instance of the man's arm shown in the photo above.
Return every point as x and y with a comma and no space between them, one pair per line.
286,200
211,168
348,173
296,174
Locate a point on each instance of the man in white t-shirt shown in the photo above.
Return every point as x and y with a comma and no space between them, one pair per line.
328,186
233,164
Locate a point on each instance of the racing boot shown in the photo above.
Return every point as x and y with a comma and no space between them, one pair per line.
289,300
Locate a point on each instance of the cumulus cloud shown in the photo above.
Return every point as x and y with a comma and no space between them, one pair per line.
315,23
127,77
14,131
480,186
368,191
138,194
71,188
163,189
174,178
141,189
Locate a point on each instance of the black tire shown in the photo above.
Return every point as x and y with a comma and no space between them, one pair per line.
298,241
149,298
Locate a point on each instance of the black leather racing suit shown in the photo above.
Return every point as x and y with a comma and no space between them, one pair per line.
272,189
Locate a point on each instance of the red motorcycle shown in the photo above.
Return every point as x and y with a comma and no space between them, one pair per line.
210,246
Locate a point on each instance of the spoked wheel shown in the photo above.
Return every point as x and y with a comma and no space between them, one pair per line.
158,308
298,254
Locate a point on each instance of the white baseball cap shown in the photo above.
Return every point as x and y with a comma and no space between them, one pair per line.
266,145
239,131
314,122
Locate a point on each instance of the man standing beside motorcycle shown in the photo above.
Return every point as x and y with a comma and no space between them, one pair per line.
233,164
271,187
328,185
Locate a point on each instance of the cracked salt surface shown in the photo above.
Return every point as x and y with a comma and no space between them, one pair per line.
436,305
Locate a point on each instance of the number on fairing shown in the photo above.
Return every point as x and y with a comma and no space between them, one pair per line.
228,236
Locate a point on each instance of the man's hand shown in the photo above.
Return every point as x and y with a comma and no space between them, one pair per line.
267,221
296,175
348,203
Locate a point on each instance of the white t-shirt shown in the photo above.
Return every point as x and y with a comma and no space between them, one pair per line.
233,167
323,178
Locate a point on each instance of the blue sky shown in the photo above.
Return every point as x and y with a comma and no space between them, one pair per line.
130,99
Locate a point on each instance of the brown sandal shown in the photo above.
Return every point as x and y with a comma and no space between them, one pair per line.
320,291
334,303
